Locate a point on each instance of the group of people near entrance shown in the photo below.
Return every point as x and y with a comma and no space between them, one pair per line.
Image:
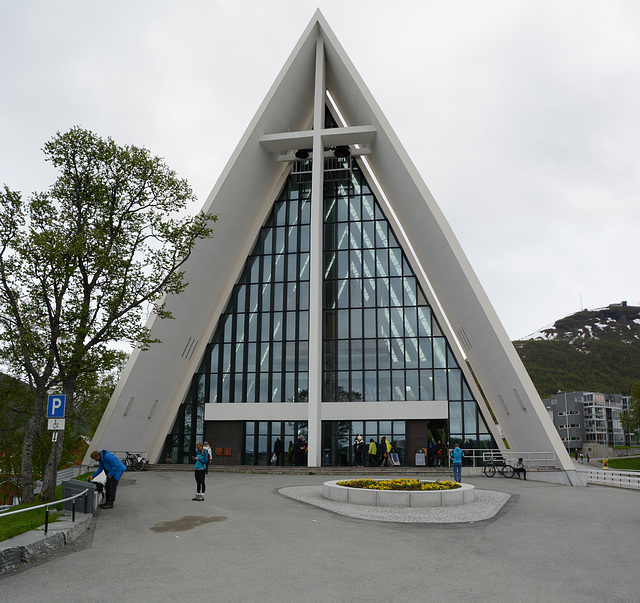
379,455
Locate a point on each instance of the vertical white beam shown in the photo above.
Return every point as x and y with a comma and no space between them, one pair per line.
315,266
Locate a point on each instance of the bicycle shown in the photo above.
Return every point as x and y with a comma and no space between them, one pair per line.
501,467
133,461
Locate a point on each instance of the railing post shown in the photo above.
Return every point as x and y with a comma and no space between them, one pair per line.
46,521
73,510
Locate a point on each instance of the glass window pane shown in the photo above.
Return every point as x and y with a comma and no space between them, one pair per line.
251,387
290,357
278,273
343,354
356,355
304,296
384,386
382,292
370,386
303,325
395,262
369,263
356,324
277,356
303,356
266,297
411,386
342,235
367,207
356,293
264,388
213,388
369,293
264,356
278,297
470,423
304,266
455,386
439,352
266,268
290,387
397,389
382,262
426,385
370,324
440,384
276,387
411,352
424,321
384,328
397,353
253,327
370,353
455,417
355,393
396,291
384,353
277,326
304,238
343,324
382,238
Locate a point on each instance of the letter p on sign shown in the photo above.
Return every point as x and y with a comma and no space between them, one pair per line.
55,407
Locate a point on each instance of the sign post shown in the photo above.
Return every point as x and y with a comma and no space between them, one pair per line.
55,414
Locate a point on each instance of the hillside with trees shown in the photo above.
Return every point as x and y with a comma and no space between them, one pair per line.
592,350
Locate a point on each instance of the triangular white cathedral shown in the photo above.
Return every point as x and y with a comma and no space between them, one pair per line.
332,300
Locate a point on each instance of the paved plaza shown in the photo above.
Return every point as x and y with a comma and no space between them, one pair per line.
249,542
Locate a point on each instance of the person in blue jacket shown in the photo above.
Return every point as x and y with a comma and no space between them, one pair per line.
202,460
113,468
456,456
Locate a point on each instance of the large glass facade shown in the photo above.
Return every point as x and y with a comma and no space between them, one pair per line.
338,438
381,341
260,349
260,442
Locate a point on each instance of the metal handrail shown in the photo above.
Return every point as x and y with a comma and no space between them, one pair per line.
50,504
613,477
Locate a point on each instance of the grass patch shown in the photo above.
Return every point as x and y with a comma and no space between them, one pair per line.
14,525
625,463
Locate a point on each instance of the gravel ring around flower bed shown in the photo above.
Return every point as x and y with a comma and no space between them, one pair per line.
486,505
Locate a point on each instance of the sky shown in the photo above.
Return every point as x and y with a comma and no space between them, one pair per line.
522,117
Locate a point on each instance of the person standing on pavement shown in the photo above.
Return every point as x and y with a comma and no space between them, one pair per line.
201,458
456,456
439,453
278,449
373,452
358,446
209,456
113,468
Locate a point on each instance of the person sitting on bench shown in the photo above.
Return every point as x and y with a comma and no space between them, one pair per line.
520,468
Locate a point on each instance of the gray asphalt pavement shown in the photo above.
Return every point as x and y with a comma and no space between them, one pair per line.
247,542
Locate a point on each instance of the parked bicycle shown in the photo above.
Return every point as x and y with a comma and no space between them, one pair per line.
500,466
133,461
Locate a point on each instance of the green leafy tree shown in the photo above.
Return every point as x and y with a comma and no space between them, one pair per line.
631,417
80,266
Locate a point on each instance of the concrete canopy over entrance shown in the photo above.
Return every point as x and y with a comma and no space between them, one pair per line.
318,74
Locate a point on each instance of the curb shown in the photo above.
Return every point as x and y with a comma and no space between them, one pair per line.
35,544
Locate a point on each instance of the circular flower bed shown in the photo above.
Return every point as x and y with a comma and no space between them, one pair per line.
398,484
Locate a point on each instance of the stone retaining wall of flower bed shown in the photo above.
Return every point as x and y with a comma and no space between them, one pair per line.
399,498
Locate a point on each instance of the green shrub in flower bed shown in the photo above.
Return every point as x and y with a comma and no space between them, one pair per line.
398,484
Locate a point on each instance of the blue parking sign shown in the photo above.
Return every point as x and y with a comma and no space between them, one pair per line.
55,406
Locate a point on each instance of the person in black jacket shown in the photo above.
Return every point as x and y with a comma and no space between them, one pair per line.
278,449
358,446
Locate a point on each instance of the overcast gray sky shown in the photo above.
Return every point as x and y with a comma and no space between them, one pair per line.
523,117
